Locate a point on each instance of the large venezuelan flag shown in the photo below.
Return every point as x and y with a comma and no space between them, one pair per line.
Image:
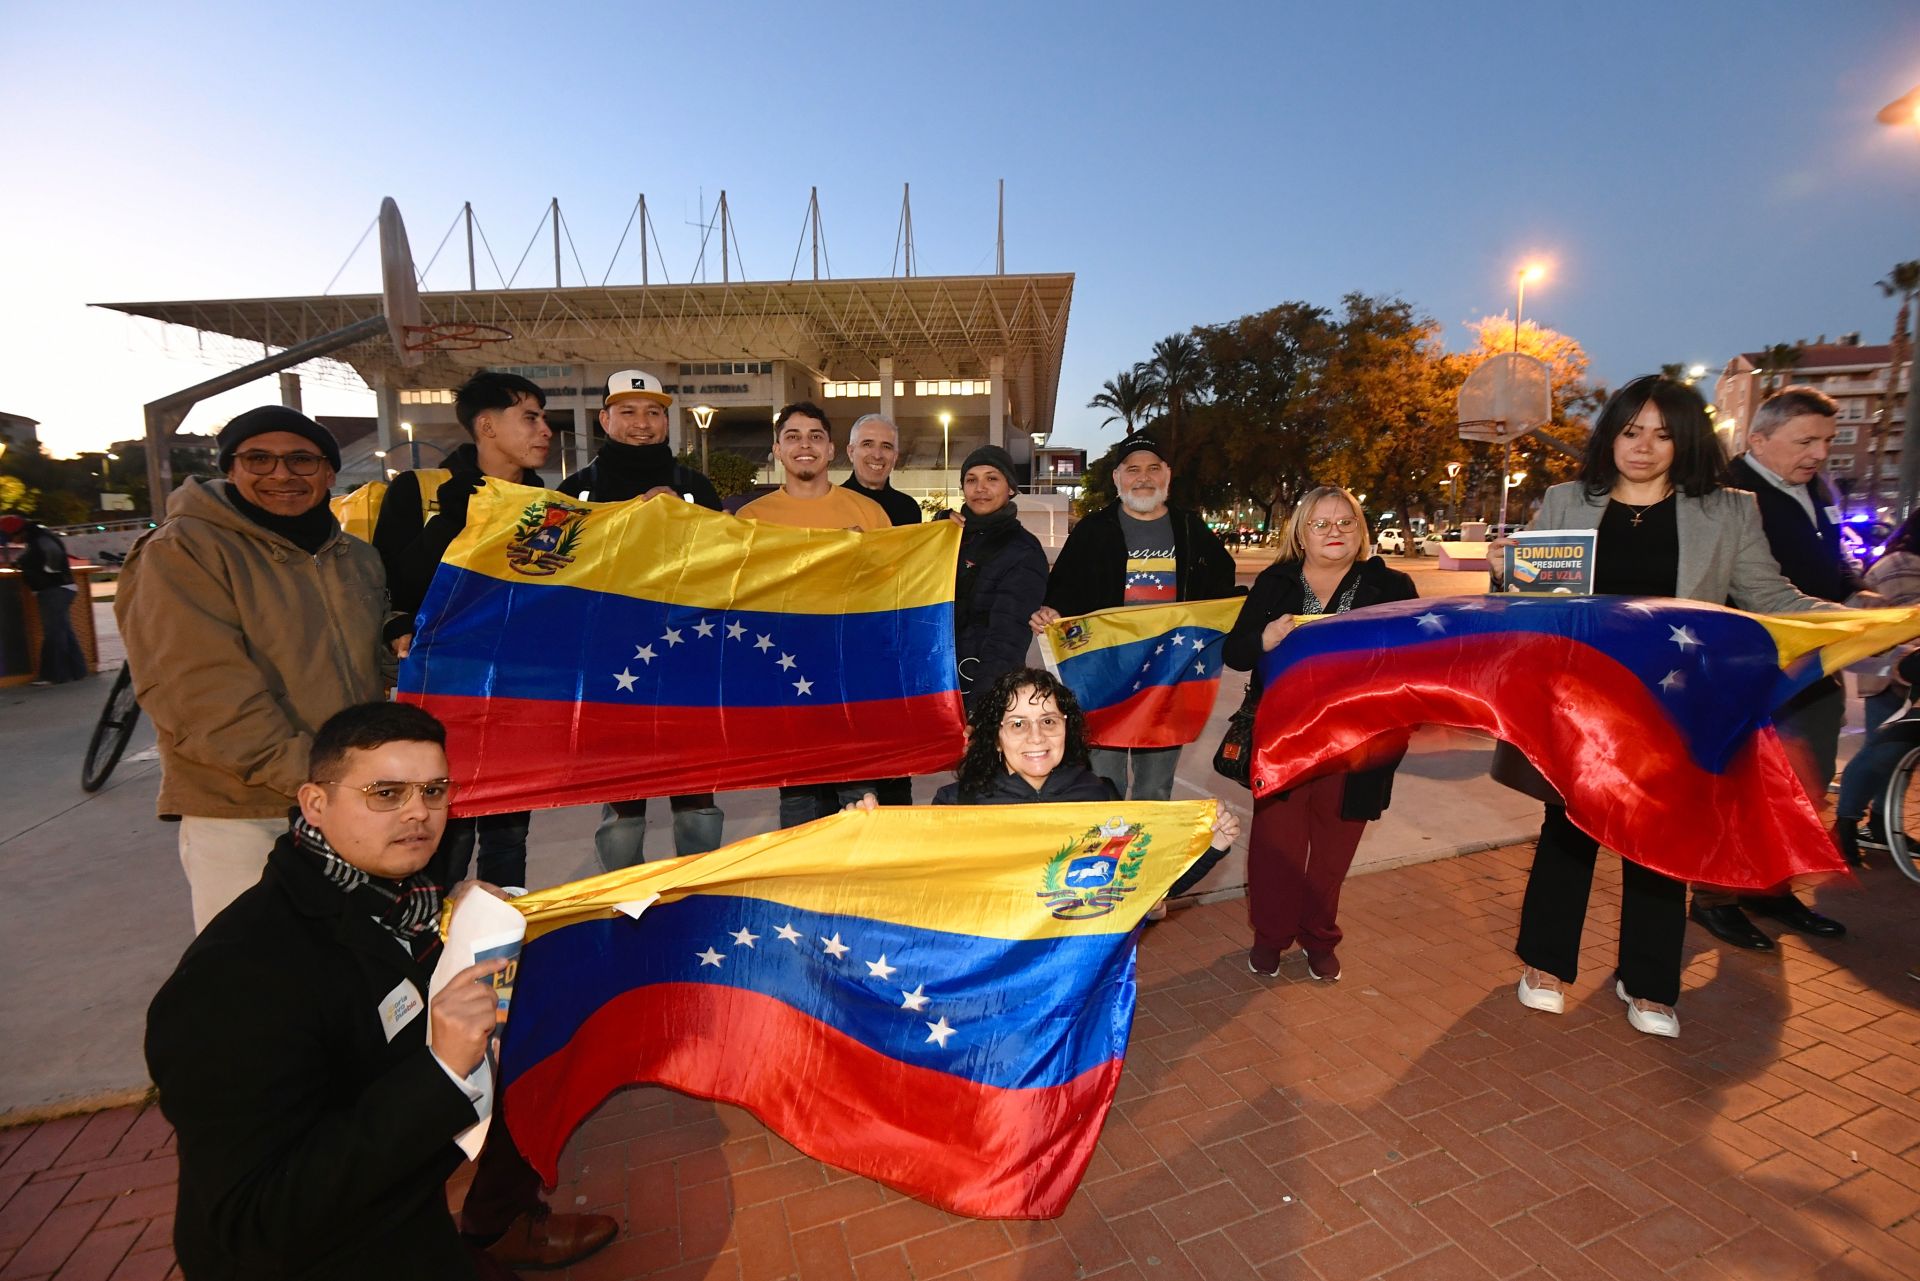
935,998
1145,675
1651,717
604,651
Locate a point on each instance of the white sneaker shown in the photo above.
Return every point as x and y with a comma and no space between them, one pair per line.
1539,998
1652,1022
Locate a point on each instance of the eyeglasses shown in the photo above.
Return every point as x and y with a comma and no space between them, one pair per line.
1344,524
386,796
1049,725
261,463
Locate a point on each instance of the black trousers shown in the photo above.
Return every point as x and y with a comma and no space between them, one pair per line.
1653,914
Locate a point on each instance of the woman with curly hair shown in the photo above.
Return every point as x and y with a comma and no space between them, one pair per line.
1027,745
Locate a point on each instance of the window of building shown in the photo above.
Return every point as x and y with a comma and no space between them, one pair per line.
953,387
1840,462
831,391
1846,435
426,396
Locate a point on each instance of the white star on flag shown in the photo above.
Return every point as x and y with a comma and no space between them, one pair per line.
939,1032
1673,680
735,631
1683,637
710,957
1200,668
703,629
1431,622
803,686
763,643
916,999
1640,607
625,678
745,937
645,653
834,947
1159,649
880,969
1472,604
1178,639
786,662
788,934
672,637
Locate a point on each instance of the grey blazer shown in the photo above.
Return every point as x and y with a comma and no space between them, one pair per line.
1724,557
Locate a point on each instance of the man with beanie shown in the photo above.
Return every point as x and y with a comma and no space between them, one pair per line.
249,618
637,462
1138,550
506,417
316,1089
873,448
43,563
1002,575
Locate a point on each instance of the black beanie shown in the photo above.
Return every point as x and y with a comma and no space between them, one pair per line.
258,422
995,457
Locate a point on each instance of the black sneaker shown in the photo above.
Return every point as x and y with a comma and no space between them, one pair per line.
1872,836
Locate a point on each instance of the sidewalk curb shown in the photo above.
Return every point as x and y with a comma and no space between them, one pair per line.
101,1102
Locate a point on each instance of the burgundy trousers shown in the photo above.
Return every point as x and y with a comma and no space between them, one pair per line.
1297,859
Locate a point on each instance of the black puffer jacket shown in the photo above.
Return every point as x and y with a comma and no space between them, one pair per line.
1091,571
1001,579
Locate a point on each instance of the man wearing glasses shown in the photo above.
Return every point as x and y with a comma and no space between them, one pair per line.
317,1118
1138,551
249,618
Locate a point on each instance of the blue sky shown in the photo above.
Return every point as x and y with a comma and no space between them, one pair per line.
1705,178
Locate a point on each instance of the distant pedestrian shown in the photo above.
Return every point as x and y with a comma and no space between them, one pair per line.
43,563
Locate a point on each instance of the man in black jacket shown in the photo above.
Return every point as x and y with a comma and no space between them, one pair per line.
1136,551
873,448
43,563
316,1124
505,415
1786,445
638,462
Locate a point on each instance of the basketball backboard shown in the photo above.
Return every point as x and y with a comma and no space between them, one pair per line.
1508,396
399,287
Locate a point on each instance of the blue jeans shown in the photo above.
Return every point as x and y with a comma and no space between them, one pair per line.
1867,773
621,837
61,658
1152,769
503,849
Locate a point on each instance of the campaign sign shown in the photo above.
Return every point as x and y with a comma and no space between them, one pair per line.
1552,562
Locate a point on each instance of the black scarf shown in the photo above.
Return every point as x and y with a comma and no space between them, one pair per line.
309,531
409,910
636,467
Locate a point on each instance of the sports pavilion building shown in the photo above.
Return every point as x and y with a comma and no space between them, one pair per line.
983,351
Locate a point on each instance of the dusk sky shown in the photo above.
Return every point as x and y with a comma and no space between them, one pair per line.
1703,178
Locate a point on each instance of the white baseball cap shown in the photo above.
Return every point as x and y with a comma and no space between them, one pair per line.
636,382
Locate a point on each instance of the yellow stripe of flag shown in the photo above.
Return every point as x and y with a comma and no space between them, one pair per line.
1125,624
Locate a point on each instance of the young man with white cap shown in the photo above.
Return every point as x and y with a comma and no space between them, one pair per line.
1139,550
636,459
637,462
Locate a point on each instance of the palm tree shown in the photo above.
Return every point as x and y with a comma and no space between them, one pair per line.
1128,395
1902,282
1176,370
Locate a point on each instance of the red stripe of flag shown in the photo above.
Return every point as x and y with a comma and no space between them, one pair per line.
1157,716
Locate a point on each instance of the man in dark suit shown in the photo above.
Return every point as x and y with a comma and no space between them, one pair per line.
316,1123
1787,443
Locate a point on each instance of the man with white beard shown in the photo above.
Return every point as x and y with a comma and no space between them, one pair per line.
1137,551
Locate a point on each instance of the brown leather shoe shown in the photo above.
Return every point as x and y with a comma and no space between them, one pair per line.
540,1239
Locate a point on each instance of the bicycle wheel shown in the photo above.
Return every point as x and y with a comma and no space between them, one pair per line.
111,732
1900,812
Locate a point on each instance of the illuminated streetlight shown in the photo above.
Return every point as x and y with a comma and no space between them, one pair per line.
946,456
413,448
703,418
1902,112
1525,276
1696,372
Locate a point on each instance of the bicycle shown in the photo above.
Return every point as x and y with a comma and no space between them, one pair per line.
111,732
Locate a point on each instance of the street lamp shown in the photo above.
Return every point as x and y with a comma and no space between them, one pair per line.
946,455
413,449
1533,271
106,472
703,418
1453,490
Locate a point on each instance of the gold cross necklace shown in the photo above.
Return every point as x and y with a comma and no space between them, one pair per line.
1641,511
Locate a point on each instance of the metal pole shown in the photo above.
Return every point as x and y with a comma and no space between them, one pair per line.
643,238
556,241
1506,473
813,208
1519,305
724,277
473,280
1000,240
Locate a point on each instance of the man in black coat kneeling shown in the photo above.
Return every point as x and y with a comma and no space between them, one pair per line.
316,1125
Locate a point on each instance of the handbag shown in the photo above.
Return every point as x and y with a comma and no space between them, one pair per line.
1233,759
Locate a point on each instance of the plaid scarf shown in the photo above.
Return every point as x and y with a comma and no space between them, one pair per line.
409,910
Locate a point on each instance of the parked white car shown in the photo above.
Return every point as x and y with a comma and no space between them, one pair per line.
1391,542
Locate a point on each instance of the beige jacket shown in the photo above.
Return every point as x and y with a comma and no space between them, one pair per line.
241,645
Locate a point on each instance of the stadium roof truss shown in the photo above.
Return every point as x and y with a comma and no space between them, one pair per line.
930,326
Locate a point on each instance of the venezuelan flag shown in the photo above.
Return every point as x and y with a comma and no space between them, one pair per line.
1651,717
602,651
1145,675
939,999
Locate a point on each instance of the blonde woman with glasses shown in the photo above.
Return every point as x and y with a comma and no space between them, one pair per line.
1303,840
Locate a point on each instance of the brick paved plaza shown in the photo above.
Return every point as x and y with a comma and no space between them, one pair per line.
1411,1122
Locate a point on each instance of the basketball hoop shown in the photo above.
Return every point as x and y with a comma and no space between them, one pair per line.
1508,396
451,336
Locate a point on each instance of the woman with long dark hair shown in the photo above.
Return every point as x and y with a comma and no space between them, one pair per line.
1652,483
1027,745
